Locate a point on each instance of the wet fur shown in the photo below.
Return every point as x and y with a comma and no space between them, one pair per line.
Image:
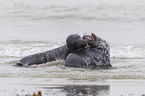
59,53
97,56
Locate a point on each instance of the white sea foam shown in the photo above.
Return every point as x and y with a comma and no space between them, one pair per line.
20,49
128,52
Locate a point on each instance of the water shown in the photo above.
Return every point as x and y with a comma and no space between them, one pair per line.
33,26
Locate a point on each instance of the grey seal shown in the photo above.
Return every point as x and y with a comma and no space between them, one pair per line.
95,56
43,57
63,51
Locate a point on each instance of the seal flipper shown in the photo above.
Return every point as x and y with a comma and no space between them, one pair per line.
59,53
18,64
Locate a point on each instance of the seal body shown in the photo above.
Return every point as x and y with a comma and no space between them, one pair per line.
88,58
93,57
59,53
43,57
101,45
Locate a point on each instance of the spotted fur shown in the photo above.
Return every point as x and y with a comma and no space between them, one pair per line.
97,56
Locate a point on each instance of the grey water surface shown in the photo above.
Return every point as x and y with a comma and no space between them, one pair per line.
32,26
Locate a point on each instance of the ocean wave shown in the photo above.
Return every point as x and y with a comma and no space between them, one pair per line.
128,52
19,49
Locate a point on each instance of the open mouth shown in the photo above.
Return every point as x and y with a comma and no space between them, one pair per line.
90,37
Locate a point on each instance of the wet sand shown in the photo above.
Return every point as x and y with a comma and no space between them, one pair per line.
61,87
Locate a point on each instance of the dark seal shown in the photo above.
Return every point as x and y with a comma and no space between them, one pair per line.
62,52
87,57
100,44
43,57
59,53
